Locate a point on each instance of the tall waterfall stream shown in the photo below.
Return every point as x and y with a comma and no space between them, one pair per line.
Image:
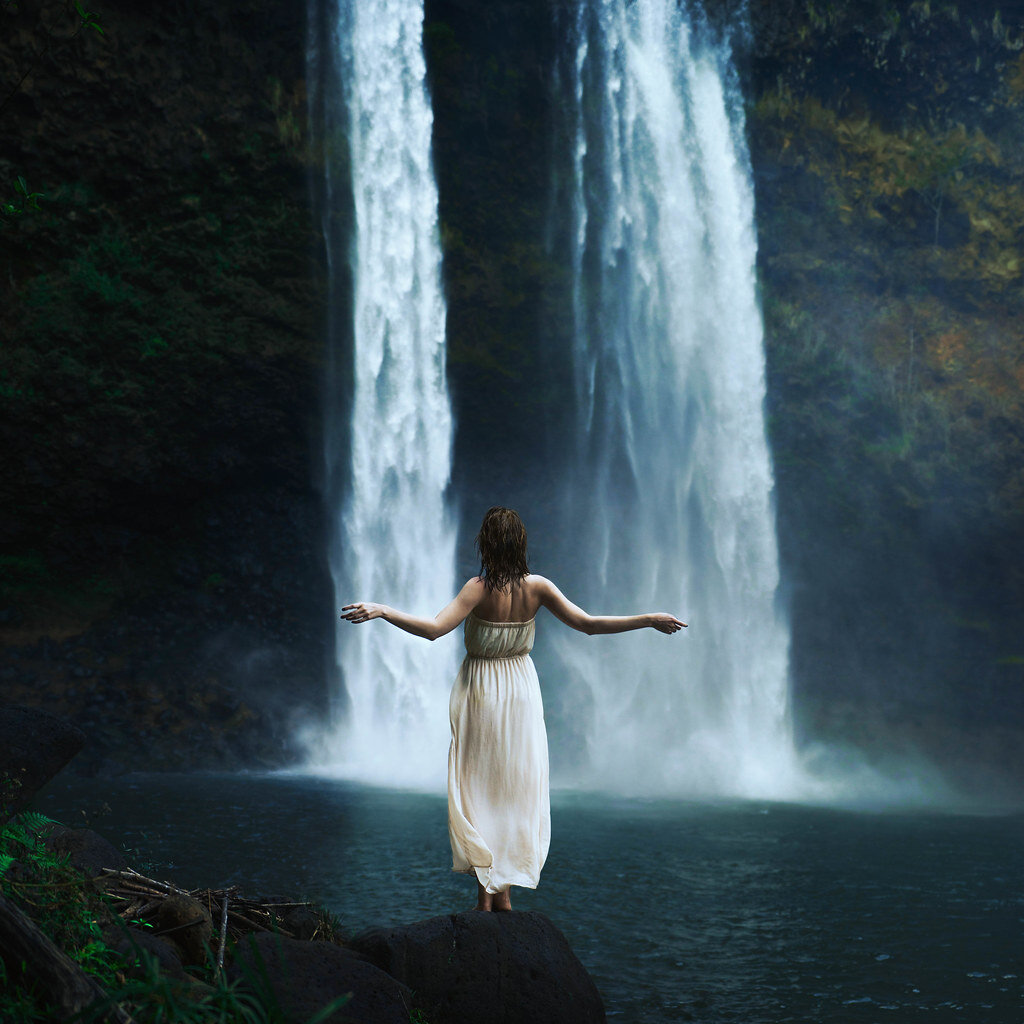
671,499
394,535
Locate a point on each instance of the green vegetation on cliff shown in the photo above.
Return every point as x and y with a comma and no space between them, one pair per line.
888,153
160,352
159,311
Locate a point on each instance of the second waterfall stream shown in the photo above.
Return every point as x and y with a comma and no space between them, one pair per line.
670,499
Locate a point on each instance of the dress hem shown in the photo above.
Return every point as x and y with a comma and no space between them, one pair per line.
501,888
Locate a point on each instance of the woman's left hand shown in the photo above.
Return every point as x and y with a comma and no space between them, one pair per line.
363,611
665,623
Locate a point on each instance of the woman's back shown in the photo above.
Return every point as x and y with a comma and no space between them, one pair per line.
519,602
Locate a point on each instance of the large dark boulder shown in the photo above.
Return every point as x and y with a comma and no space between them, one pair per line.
34,747
301,978
479,968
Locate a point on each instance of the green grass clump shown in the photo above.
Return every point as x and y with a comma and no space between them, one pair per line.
61,903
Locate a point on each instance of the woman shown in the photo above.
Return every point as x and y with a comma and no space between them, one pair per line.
498,812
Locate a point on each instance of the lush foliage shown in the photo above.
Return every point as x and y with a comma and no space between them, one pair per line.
889,207
71,912
65,908
23,201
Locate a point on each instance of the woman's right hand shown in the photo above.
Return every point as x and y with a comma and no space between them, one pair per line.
363,611
665,623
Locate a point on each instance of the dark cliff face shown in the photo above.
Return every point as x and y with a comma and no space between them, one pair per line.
162,317
509,310
888,149
159,430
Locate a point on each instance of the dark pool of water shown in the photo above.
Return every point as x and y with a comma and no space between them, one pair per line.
738,912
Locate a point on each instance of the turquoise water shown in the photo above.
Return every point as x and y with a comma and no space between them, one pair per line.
723,912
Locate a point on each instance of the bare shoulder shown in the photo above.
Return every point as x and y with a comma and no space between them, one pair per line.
540,589
471,594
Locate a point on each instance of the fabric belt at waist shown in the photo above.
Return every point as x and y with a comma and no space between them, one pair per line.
498,657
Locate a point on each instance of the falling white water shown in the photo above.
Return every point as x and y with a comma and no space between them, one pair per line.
672,497
395,539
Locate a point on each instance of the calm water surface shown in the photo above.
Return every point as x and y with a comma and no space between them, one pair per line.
738,912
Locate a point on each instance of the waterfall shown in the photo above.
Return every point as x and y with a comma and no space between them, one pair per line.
389,432
670,503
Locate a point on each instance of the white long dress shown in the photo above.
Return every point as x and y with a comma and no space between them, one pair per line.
499,816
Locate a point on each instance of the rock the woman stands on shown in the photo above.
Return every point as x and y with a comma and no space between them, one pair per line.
498,806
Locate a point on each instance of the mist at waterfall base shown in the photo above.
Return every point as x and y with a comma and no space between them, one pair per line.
664,499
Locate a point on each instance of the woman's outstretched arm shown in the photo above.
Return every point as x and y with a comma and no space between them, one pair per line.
572,615
443,622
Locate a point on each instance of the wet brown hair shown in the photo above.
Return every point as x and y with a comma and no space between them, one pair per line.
502,546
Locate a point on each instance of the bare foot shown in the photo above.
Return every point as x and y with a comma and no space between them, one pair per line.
484,899
502,901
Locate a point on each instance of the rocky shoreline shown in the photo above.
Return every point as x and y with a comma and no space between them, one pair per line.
210,949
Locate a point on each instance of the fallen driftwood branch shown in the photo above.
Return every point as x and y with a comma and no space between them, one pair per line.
69,989
141,898
132,877
223,935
